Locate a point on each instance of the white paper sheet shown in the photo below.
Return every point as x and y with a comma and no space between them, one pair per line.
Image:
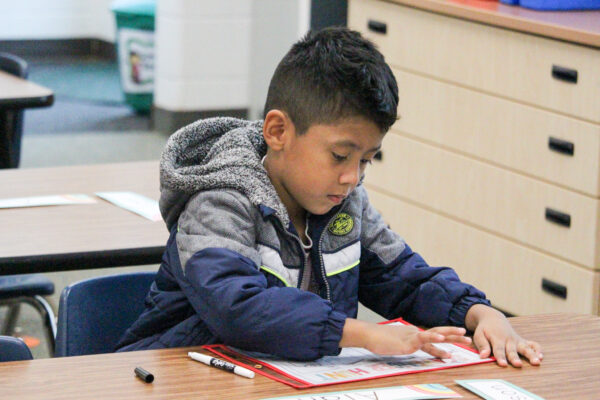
497,389
51,200
412,392
134,202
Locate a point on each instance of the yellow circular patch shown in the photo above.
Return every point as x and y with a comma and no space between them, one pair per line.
342,225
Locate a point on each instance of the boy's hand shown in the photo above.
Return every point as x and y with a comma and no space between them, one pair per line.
396,339
400,339
494,334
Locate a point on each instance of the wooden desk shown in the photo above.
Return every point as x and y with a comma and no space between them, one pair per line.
82,236
569,371
20,93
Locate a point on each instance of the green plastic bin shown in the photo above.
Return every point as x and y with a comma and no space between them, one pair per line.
135,48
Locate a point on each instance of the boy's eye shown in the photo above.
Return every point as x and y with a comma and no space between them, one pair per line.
365,161
339,157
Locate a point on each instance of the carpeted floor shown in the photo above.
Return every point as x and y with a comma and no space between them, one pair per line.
87,98
83,79
72,116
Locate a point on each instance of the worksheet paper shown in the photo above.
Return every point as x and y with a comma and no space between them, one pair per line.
352,364
141,205
412,392
51,200
497,389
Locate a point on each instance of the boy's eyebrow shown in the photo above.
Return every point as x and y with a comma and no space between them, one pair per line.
349,143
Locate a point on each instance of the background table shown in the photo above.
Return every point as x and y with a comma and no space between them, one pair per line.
20,93
16,94
569,371
81,236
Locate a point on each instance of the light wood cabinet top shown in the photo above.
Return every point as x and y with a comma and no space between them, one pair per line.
581,27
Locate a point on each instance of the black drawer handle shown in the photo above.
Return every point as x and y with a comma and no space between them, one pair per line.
554,288
564,74
561,146
378,156
376,26
558,217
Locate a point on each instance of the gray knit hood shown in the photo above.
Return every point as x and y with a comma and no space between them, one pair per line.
215,153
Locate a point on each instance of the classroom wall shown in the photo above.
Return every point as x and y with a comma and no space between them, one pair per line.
209,54
276,25
56,19
202,54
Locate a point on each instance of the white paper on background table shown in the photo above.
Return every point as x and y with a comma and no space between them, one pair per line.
42,201
134,202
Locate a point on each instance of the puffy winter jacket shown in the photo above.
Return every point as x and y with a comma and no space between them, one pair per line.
233,265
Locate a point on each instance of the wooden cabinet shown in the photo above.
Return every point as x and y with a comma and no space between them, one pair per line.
494,165
510,273
499,61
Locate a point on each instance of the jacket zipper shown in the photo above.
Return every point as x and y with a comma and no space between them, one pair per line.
321,253
299,244
322,262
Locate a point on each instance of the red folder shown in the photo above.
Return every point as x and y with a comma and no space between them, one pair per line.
265,368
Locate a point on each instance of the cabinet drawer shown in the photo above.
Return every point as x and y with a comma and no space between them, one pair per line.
524,138
490,197
510,274
531,69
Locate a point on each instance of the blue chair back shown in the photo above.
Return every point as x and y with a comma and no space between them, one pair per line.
13,65
94,313
13,349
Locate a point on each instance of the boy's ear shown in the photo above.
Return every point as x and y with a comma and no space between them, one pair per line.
277,127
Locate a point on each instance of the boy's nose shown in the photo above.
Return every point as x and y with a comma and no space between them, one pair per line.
350,176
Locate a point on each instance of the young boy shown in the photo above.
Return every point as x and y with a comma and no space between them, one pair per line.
273,240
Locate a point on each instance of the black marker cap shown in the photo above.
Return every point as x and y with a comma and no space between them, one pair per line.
143,374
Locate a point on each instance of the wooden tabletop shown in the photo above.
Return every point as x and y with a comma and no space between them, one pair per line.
581,27
570,370
80,236
20,93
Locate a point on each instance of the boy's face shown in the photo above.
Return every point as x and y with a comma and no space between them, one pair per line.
317,170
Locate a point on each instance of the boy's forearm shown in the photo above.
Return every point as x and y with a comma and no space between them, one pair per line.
355,333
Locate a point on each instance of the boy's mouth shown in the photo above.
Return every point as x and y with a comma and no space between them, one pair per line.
337,199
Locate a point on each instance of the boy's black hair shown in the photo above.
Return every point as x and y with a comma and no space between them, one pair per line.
331,74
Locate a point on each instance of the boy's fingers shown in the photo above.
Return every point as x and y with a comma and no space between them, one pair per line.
458,339
431,337
435,351
449,330
512,354
482,344
500,353
537,348
529,351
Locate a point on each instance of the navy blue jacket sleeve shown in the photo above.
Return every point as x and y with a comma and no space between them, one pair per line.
397,282
411,289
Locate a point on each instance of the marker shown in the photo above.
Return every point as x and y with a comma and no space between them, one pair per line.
143,374
224,365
